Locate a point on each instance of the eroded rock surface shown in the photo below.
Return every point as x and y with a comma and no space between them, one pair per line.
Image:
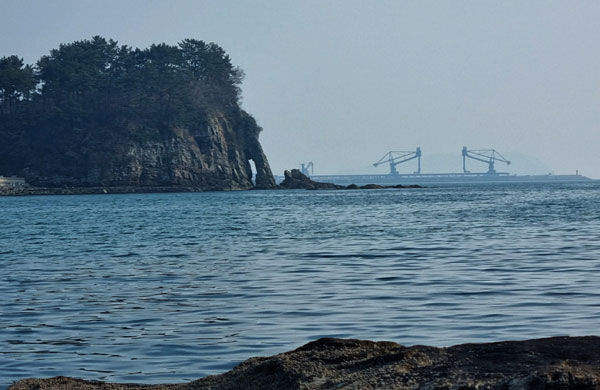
213,156
552,363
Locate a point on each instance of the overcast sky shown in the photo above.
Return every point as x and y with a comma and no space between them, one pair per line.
340,83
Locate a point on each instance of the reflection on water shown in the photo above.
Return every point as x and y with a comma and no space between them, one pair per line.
172,287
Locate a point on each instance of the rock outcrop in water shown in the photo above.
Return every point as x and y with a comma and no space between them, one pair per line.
296,180
95,114
542,364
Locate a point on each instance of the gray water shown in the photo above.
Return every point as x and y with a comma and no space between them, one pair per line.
171,287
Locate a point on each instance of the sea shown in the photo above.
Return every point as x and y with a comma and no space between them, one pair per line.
168,288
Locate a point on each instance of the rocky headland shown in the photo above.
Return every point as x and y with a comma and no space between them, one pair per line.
94,114
549,364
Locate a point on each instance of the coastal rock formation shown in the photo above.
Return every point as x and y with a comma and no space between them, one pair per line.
96,114
212,156
552,363
294,180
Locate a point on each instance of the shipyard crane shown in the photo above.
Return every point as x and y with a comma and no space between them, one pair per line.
397,157
488,156
305,167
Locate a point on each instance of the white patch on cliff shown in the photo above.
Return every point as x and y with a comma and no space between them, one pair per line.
253,167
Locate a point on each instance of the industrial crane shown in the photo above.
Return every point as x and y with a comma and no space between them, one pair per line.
305,167
397,157
488,156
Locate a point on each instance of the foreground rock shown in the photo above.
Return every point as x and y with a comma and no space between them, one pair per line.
552,363
294,180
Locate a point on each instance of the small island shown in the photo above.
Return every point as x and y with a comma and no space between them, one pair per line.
96,116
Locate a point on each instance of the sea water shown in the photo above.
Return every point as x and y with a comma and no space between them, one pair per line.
160,288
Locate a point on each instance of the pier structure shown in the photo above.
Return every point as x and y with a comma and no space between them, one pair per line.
394,158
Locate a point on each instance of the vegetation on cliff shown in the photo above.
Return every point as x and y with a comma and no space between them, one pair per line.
93,112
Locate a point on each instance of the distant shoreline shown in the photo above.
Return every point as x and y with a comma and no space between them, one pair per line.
42,191
31,191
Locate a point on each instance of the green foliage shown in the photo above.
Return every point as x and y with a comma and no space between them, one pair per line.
90,74
76,68
212,66
162,81
16,81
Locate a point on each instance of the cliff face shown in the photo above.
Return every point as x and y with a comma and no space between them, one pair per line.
215,155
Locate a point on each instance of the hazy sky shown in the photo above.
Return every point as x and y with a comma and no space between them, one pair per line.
340,83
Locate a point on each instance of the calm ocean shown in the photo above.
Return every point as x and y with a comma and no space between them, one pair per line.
172,287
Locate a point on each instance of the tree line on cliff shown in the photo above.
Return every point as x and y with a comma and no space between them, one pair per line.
86,94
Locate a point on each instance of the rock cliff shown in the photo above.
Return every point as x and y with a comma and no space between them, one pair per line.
542,364
215,155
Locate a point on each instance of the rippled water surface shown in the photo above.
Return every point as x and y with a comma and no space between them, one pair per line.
171,287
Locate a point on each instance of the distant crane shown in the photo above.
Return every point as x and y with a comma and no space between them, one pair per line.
488,156
397,157
305,167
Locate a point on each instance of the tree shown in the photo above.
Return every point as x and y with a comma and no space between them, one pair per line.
17,83
212,68
78,68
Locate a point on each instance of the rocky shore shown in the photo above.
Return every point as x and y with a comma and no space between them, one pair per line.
294,179
551,363
30,190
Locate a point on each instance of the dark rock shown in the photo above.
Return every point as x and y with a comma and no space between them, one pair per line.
552,363
378,187
295,179
372,187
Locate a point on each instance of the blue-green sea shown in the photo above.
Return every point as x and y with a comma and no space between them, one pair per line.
161,288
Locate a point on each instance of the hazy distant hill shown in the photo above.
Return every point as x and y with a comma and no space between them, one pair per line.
93,113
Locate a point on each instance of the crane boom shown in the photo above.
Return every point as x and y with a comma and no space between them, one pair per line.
305,167
488,156
396,157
